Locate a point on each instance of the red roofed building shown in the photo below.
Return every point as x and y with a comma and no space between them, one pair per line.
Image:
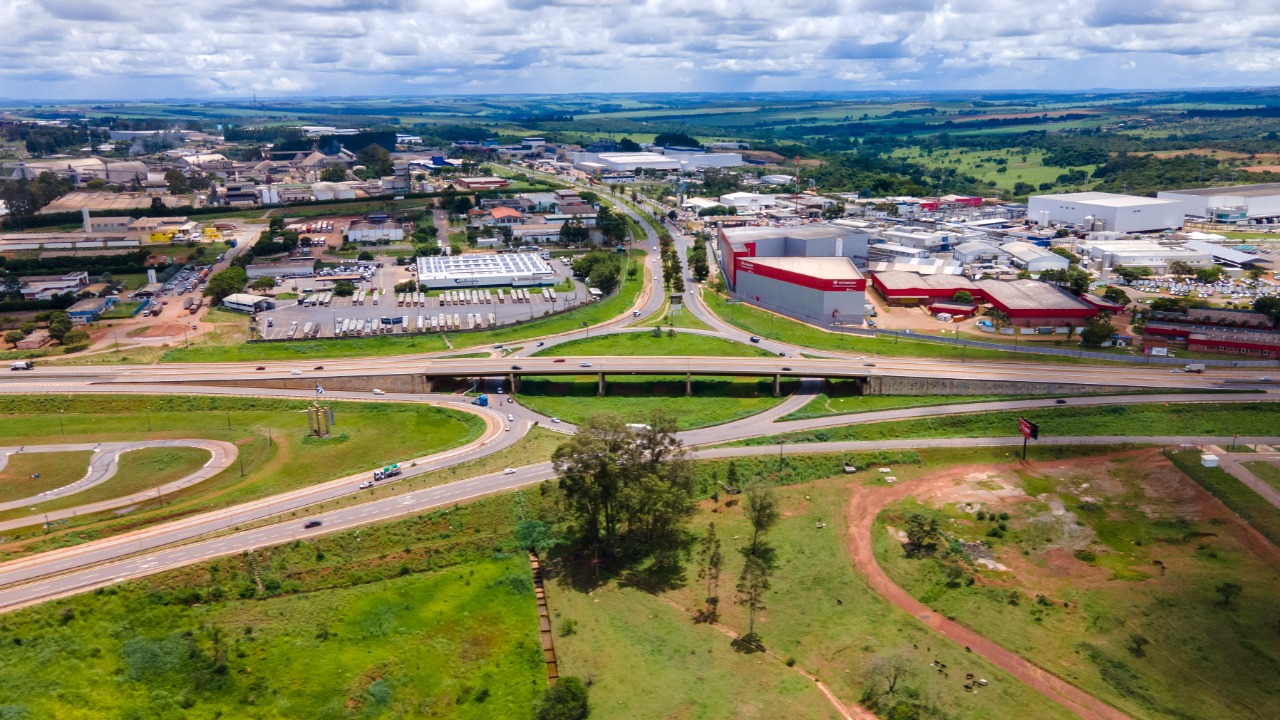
504,216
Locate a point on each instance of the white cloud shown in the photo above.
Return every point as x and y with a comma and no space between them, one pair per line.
82,48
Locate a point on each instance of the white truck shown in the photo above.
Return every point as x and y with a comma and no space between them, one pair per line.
1197,368
23,365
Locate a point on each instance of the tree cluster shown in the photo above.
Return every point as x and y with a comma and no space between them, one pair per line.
602,269
627,490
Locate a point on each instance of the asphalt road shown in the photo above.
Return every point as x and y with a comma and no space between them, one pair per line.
40,588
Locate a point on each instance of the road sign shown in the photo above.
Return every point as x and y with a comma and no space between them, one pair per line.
1029,430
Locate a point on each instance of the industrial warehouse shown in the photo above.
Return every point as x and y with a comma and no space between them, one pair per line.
1239,203
1106,211
515,269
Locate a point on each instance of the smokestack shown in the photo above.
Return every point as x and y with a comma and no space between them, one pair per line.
88,224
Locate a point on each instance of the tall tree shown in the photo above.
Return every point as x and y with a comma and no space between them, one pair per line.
710,561
752,586
178,183
762,512
226,282
566,700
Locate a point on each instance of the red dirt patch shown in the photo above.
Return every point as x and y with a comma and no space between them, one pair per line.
163,330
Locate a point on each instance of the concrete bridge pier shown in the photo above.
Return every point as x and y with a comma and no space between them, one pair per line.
602,386
777,385
688,384
514,380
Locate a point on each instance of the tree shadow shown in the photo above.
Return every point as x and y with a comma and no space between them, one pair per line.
655,577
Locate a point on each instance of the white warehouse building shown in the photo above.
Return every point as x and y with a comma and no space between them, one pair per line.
1228,204
1106,211
523,269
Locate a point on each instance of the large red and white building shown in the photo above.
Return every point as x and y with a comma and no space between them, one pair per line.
1025,302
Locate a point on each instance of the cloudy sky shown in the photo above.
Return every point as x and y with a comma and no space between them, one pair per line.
229,48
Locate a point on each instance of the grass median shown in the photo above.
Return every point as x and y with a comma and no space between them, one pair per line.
714,400
646,344
55,469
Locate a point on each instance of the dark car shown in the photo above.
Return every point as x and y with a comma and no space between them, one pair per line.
319,367
782,354
786,369
262,367
558,360
540,343
313,524
516,367
755,339
1060,401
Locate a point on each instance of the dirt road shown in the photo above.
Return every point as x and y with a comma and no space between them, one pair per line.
865,504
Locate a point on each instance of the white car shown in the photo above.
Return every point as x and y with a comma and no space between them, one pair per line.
555,419
508,428
376,391
510,417
584,364
509,471
296,372
366,484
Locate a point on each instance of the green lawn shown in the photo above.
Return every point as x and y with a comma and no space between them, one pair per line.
422,617
1193,419
278,454
1144,569
648,660
714,401
121,311
1268,472
55,469
663,318
645,344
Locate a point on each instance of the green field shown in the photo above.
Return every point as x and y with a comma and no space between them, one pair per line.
1019,166
823,614
1234,494
55,469
1132,559
662,318
714,400
1192,419
643,343
423,617
277,453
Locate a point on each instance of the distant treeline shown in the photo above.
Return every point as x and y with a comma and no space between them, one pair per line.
1263,112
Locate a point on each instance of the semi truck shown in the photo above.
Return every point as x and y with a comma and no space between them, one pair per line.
389,471
482,401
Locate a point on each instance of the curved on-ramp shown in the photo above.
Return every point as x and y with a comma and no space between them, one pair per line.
103,466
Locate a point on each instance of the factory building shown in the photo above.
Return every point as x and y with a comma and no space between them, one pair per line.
821,289
1136,252
522,269
817,240
1106,211
1034,258
1229,204
610,162
1025,302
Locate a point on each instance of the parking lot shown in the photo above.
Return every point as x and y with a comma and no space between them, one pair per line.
377,309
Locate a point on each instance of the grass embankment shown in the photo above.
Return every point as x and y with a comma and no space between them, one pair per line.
55,469
1114,590
1191,419
824,405
664,319
426,616
776,327
140,470
591,314
271,435
714,400
1267,472
645,344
